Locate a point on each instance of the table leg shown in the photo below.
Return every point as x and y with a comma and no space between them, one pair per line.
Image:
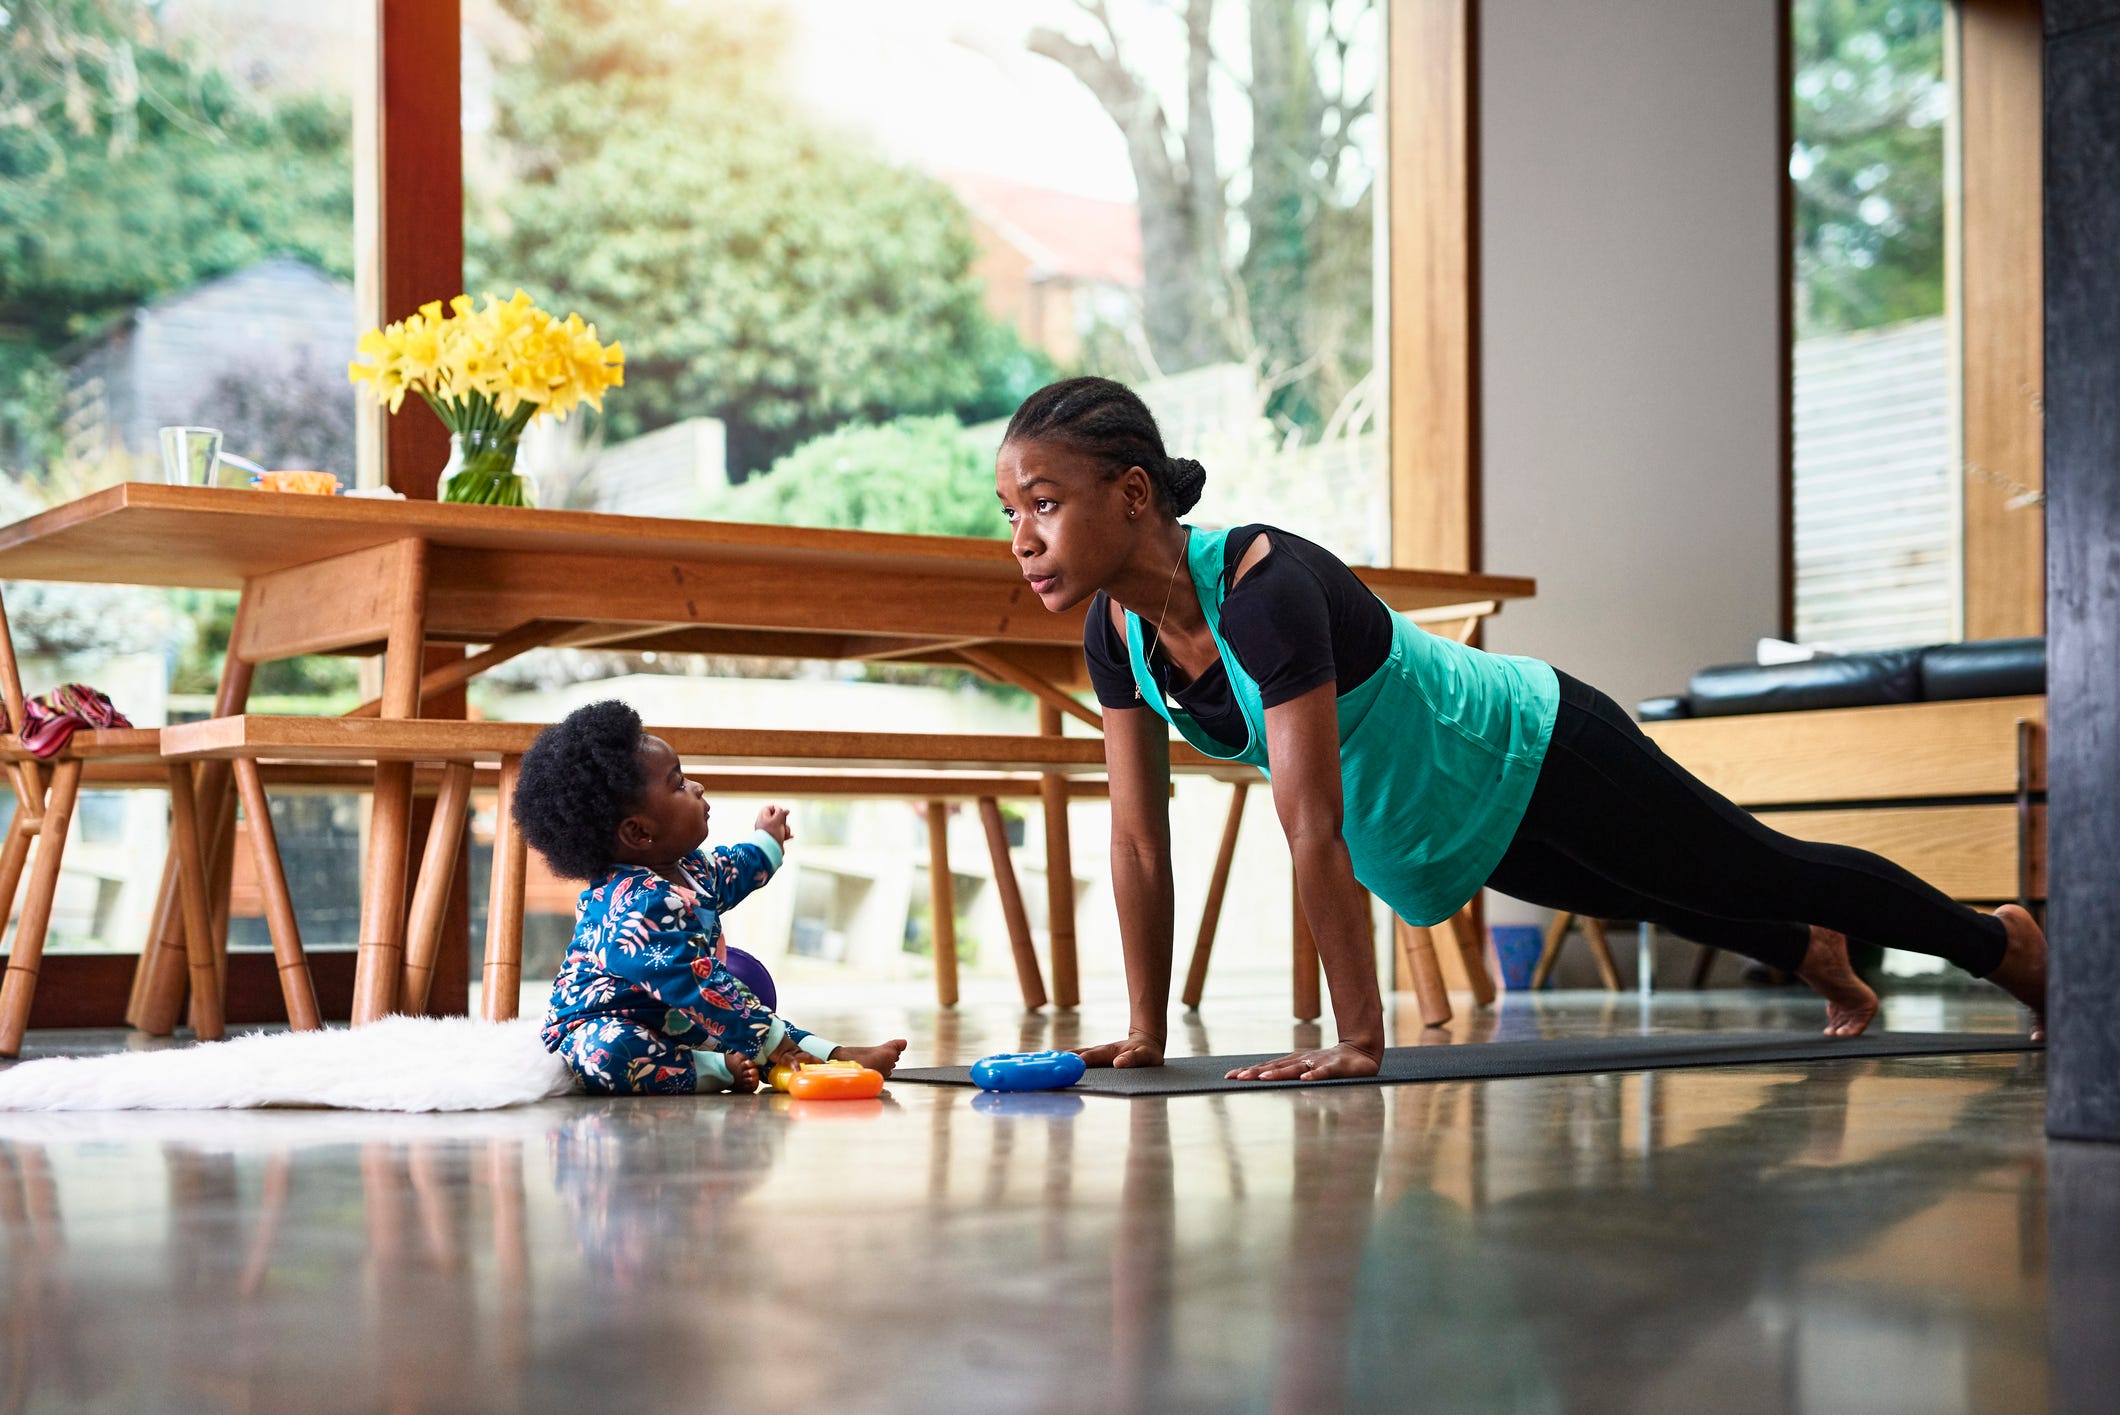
381,955
158,985
501,987
942,903
1059,875
191,893
1028,976
27,955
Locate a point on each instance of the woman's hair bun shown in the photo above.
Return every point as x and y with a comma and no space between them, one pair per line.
1183,479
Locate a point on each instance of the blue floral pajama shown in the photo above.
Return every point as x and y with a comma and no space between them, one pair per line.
642,989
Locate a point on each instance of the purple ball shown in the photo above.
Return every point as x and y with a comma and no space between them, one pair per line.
753,975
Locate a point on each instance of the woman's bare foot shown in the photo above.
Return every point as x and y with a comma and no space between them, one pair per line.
1850,1002
2022,972
882,1058
743,1073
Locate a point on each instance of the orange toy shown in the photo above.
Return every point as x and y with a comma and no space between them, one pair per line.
827,1081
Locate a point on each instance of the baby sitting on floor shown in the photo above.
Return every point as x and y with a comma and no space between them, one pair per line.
644,1004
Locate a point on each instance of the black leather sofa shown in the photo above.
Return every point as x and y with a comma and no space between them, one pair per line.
1982,668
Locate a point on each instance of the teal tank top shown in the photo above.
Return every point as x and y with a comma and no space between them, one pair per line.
1439,751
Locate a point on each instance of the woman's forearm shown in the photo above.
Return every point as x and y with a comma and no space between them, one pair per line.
1337,909
1141,884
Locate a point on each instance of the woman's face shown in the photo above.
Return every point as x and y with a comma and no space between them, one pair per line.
1069,524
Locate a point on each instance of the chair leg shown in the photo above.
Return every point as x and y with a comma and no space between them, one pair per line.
501,979
380,959
1028,977
430,896
942,903
1466,933
296,986
1550,954
1217,888
20,986
206,1018
1416,951
1601,950
14,855
1703,964
1059,876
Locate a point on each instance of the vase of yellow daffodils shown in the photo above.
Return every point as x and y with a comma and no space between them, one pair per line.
488,371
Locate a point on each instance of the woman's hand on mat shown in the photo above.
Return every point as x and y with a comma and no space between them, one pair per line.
1139,1049
1324,1065
773,820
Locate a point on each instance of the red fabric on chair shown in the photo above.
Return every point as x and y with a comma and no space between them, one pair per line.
51,721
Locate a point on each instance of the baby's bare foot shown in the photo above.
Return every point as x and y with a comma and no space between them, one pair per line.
743,1073
1850,1002
883,1058
2022,972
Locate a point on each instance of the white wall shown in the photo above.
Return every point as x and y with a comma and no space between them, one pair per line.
1629,365
1629,168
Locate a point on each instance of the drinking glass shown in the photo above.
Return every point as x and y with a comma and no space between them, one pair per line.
190,455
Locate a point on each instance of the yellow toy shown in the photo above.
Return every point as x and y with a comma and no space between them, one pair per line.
827,1081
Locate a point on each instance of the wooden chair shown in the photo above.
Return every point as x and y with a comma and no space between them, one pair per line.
43,813
1593,934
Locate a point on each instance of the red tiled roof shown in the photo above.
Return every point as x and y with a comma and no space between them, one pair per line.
1078,237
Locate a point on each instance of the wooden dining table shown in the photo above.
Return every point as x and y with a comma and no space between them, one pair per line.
362,575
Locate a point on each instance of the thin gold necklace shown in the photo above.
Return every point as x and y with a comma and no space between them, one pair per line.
1148,654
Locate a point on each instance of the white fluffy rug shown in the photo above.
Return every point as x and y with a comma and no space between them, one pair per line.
399,1063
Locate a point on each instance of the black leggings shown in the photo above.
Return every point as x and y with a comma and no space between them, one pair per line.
1617,830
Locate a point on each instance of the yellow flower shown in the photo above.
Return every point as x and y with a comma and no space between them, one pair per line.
503,355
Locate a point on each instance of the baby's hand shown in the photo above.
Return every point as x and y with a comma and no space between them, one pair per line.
773,820
743,1072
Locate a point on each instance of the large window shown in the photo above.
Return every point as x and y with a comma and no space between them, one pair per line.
176,247
1877,515
841,241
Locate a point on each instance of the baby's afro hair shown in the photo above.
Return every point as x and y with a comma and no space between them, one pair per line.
580,778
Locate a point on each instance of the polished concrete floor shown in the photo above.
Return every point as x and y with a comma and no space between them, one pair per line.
1862,1235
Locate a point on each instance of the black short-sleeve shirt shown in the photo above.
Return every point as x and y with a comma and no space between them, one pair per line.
1299,618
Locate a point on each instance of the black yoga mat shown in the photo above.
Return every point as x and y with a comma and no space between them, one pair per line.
1557,1056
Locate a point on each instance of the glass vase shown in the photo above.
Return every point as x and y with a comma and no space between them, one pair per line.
481,469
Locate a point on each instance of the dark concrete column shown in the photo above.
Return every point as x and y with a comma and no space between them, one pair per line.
2082,251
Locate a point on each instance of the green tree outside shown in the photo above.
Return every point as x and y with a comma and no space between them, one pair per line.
759,270
1869,113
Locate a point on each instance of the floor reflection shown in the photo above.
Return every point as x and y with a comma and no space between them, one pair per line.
1750,1239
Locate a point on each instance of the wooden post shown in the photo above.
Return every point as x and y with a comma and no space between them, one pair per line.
20,986
501,983
1217,887
942,903
296,986
1307,1002
1028,977
1059,875
192,900
382,947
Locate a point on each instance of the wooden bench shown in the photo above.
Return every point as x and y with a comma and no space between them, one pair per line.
1954,791
397,951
